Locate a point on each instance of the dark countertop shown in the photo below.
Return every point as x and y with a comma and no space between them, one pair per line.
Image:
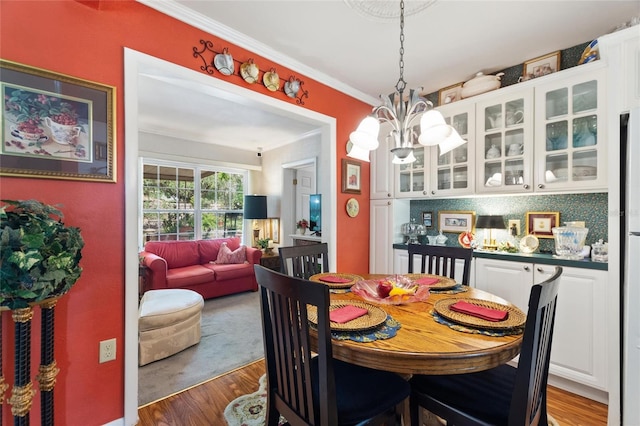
545,259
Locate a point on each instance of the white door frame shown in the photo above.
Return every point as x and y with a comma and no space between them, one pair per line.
134,64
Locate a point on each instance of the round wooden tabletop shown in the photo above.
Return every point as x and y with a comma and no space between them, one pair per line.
423,346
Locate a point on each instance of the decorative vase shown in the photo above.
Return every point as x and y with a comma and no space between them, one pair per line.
302,231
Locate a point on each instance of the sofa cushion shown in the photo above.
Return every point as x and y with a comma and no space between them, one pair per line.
209,248
189,275
177,253
231,271
227,256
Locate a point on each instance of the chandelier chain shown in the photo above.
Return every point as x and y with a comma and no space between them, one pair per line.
401,84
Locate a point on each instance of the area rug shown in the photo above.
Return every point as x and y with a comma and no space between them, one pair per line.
250,410
231,337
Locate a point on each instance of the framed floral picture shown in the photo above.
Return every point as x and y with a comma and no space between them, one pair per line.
541,223
351,176
542,65
456,221
55,126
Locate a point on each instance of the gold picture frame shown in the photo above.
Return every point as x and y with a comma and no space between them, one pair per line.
56,126
542,65
450,94
456,221
541,223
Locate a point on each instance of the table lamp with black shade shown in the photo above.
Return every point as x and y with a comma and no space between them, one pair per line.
255,207
490,222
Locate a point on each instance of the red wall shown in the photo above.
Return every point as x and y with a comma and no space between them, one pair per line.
86,40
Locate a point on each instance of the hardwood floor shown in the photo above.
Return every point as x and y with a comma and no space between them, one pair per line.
204,404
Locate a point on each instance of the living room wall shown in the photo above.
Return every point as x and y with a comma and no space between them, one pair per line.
86,40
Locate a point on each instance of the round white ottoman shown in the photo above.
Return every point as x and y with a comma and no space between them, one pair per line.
168,322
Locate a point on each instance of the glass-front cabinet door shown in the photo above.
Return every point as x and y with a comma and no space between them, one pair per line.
504,143
453,172
570,150
412,177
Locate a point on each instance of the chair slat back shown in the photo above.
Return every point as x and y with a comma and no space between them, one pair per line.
290,381
304,261
441,260
529,396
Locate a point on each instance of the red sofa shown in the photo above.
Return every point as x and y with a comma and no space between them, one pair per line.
188,265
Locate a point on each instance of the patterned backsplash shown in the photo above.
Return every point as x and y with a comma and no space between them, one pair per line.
590,208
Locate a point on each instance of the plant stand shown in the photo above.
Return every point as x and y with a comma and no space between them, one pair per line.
22,392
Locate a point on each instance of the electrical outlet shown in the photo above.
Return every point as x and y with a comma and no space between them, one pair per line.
514,223
107,350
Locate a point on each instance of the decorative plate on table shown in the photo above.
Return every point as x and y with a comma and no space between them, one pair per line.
516,317
368,290
336,280
529,244
374,317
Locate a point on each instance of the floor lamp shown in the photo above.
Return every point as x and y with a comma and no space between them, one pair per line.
255,207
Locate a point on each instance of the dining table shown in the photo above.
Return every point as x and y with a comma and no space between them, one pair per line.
423,345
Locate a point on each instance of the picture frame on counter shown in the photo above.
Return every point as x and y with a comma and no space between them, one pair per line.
427,219
542,65
56,126
351,181
456,221
541,223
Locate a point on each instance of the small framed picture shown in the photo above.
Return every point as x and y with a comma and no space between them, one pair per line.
449,94
456,221
427,219
543,65
351,182
275,230
540,223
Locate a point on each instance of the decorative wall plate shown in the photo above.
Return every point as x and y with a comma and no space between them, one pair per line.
249,71
353,208
271,80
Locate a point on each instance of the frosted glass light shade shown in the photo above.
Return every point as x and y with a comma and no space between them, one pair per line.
358,153
408,159
433,128
452,142
366,135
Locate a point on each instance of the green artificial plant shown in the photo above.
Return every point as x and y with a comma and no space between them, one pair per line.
39,255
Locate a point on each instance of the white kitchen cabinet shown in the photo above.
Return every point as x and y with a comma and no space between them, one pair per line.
413,178
386,218
570,151
504,143
578,353
382,181
621,51
454,173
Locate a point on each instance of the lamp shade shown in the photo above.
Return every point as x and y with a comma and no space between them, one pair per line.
452,142
366,135
433,128
490,222
255,207
358,153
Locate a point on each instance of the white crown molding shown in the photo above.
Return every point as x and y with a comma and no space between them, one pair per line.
197,20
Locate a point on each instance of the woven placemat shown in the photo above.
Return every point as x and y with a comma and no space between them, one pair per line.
444,283
515,318
352,277
472,330
454,290
374,317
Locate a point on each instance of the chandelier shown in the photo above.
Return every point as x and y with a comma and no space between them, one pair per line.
401,116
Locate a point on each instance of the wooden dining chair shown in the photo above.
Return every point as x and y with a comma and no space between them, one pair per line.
441,260
313,388
505,395
305,260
